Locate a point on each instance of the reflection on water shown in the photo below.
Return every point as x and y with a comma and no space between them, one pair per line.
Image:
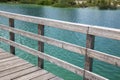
90,16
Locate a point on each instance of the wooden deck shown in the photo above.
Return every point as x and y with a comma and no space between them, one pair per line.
15,68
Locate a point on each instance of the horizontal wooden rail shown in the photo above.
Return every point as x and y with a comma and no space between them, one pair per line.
58,43
54,60
48,22
68,46
105,32
82,28
114,60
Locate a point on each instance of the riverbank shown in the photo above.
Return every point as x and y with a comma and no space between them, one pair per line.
54,3
69,4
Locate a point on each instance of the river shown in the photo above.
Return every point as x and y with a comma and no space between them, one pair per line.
92,16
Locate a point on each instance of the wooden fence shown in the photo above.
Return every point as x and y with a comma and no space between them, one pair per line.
88,52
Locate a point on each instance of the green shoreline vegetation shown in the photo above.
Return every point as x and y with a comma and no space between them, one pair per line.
101,4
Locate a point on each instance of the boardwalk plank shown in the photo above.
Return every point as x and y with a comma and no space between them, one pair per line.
10,65
20,73
32,75
15,69
44,77
56,78
8,59
11,62
5,55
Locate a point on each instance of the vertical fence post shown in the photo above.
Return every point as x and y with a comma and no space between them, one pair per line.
12,35
90,40
40,45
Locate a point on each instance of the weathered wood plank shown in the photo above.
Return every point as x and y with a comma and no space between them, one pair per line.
89,77
51,41
82,28
3,56
105,32
11,64
59,62
44,77
18,74
56,78
12,35
114,60
54,60
3,53
15,69
89,44
40,45
88,60
48,22
8,59
32,75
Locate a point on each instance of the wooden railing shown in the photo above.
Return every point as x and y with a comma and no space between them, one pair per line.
88,52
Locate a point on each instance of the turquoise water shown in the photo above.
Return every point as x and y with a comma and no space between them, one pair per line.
92,16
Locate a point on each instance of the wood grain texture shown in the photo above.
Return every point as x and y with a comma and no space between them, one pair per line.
4,55
89,77
44,77
54,60
48,22
12,35
51,41
32,75
82,28
15,69
40,45
89,44
9,64
56,78
19,73
105,32
90,40
8,59
114,60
